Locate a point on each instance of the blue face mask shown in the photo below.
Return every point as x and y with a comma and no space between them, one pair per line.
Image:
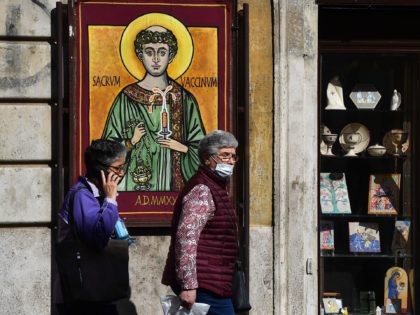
224,170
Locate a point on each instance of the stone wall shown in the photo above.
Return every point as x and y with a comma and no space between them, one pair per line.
261,155
25,272
295,157
147,260
25,149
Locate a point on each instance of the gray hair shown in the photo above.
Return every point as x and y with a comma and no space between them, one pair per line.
214,141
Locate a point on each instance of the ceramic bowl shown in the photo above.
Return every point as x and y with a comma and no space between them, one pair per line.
376,150
354,128
352,138
329,137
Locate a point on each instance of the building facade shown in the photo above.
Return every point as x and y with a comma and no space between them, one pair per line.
284,124
280,188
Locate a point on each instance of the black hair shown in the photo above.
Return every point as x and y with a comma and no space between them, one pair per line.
101,154
147,37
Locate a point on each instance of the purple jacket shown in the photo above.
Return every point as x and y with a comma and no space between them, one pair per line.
94,219
94,216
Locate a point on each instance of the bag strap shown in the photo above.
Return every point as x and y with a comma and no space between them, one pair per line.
71,214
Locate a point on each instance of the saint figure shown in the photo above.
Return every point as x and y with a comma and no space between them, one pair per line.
156,119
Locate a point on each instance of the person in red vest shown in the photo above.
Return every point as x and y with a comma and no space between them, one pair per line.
204,238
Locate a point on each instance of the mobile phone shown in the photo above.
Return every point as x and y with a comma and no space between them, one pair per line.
98,170
105,173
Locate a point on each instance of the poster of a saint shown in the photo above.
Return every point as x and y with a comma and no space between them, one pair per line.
157,119
154,77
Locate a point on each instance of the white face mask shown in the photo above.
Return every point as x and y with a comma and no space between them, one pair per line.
223,169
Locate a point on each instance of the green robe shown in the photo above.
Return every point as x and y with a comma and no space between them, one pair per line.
166,169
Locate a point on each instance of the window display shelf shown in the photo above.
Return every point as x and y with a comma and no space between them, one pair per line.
363,157
367,220
352,111
344,216
365,256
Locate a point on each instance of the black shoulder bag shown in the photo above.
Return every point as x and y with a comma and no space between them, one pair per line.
240,298
89,275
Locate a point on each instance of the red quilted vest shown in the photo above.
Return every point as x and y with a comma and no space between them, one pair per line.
217,246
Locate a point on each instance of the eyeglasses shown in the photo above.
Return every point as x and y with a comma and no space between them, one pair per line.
227,157
117,169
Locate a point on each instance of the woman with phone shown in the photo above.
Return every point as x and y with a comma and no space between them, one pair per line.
90,210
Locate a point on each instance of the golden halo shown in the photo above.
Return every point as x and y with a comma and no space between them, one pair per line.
183,57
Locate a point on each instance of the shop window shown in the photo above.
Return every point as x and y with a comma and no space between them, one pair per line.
368,169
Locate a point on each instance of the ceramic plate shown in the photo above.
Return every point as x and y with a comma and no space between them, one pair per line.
390,146
323,146
364,133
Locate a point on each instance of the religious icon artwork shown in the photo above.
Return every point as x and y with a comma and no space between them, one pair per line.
384,191
334,197
396,291
155,77
401,233
157,118
326,235
364,237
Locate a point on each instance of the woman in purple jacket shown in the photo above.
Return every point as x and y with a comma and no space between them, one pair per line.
95,212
